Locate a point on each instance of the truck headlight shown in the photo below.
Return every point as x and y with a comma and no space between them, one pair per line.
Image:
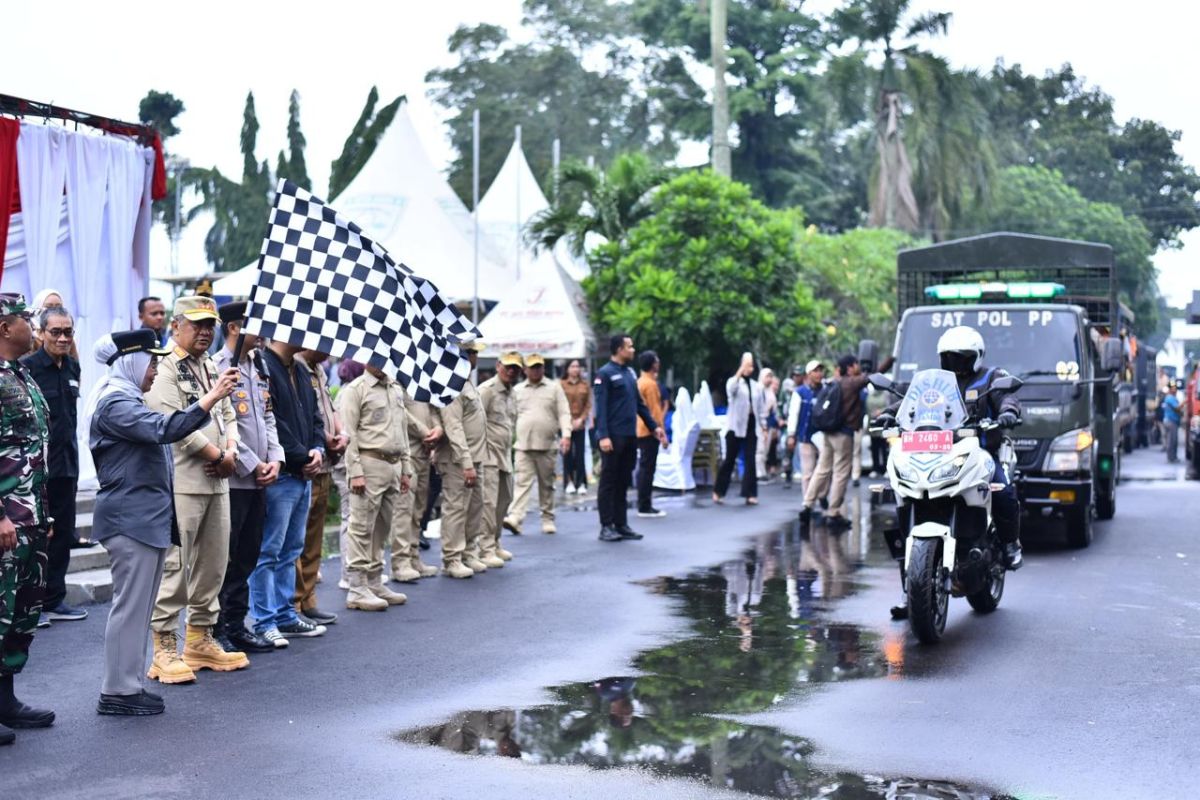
1070,452
947,471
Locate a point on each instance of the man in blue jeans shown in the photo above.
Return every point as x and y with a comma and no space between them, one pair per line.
302,437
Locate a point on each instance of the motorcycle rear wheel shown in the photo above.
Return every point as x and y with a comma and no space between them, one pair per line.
928,600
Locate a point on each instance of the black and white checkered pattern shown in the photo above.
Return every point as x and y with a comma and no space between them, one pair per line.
325,286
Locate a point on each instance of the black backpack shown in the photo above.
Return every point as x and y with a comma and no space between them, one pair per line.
827,408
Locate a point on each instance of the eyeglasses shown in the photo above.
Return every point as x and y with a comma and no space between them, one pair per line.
60,333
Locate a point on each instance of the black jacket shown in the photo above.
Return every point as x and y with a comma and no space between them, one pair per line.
60,385
297,414
618,403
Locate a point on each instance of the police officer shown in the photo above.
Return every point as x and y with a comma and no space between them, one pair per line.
195,570
460,457
24,521
500,407
543,424
258,459
423,431
618,407
377,466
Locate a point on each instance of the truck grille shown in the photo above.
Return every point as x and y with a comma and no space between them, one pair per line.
1031,453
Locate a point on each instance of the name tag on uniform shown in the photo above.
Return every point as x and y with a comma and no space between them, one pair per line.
618,378
74,384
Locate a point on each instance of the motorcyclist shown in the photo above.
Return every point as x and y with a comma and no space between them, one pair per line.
961,351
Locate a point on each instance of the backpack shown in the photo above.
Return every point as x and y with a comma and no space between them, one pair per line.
827,408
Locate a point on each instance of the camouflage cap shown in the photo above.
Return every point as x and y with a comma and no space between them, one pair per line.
13,303
196,308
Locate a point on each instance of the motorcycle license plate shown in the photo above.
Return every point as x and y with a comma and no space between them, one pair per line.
926,441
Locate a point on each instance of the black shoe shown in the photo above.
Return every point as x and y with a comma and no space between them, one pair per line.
222,638
899,613
1012,556
651,512
610,534
6,736
130,705
626,532
320,617
43,620
837,523
20,715
824,503
237,639
423,543
805,519
302,629
62,611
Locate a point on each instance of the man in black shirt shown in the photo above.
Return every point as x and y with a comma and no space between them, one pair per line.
57,375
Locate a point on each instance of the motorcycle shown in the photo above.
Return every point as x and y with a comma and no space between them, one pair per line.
941,476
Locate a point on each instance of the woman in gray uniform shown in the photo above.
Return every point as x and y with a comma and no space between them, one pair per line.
134,514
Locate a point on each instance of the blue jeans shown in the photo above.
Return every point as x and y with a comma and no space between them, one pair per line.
273,581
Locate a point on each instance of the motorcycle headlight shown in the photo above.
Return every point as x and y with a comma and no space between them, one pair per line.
1070,452
947,471
906,474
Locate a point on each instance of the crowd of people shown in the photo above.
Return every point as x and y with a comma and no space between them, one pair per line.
216,454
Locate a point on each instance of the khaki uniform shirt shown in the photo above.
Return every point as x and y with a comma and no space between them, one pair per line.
543,415
258,440
182,380
500,407
420,418
373,412
465,425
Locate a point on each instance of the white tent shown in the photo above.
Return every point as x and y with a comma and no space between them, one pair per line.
401,201
544,312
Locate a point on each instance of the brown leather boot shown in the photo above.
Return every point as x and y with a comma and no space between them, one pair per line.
201,651
167,666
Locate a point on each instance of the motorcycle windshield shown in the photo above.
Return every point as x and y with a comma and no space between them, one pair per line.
932,403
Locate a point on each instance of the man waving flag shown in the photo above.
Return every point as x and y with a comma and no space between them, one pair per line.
325,286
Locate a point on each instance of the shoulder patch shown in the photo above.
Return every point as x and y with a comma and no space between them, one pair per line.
179,352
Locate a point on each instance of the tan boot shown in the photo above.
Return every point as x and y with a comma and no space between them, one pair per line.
201,651
378,588
167,666
548,527
503,554
455,569
403,572
360,596
492,561
425,570
473,563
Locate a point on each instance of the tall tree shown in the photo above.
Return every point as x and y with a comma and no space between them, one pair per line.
292,165
722,163
360,144
159,110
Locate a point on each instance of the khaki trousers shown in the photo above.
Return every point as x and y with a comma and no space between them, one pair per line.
193,573
808,463
462,513
342,484
372,515
833,472
406,525
309,562
497,495
533,465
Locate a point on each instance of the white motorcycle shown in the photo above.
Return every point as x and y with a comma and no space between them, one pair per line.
941,476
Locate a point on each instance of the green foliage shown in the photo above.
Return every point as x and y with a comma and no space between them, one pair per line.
710,273
361,142
292,166
159,110
1039,200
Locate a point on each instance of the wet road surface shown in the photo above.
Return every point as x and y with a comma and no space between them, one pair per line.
767,668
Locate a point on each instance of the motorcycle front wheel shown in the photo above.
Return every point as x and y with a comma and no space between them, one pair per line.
987,599
928,600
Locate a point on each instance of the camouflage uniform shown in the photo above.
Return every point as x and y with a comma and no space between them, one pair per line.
24,438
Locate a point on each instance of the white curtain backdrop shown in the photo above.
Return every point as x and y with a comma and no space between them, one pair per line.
41,174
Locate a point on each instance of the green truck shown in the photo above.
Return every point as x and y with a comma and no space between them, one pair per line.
1048,312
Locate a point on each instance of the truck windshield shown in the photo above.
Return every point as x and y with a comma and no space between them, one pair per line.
1024,341
932,403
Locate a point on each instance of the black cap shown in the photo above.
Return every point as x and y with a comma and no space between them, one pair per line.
143,340
232,312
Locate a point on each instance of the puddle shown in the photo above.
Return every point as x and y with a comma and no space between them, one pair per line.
756,637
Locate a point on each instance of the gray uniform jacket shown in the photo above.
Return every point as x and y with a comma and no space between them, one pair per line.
131,446
258,441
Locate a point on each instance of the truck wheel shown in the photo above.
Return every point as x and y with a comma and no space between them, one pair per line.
1079,527
928,601
1106,500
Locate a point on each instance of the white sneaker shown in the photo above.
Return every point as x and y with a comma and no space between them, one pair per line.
273,636
571,490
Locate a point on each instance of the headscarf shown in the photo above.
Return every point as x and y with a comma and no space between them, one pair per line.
124,376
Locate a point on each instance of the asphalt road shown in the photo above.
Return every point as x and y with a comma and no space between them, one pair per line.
1084,683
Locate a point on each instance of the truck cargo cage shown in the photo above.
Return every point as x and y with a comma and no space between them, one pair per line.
1012,267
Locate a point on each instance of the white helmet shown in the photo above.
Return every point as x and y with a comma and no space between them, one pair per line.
961,350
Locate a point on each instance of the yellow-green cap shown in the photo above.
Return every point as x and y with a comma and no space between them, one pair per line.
534,360
511,359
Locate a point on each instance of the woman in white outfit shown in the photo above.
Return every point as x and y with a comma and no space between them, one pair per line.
745,418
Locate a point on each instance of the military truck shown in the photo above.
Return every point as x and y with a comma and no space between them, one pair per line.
1048,312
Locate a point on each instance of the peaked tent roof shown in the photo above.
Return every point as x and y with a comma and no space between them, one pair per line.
400,200
545,311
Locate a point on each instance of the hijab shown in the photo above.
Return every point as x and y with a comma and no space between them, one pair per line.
124,376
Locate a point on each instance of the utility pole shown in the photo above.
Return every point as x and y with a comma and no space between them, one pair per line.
475,208
722,161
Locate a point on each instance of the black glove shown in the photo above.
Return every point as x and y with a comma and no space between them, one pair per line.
1008,419
884,421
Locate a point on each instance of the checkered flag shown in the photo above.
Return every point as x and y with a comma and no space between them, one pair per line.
325,286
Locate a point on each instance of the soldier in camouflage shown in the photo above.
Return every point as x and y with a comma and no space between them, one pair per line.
24,522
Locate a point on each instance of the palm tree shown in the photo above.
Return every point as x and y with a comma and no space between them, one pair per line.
608,204
932,136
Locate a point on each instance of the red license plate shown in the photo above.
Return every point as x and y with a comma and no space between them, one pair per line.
926,441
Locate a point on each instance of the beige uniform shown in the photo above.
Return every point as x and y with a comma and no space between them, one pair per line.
500,408
543,419
194,571
372,411
464,446
406,532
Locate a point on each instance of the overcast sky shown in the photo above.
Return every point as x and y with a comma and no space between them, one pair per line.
103,57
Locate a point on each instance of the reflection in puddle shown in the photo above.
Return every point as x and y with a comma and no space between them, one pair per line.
755,637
